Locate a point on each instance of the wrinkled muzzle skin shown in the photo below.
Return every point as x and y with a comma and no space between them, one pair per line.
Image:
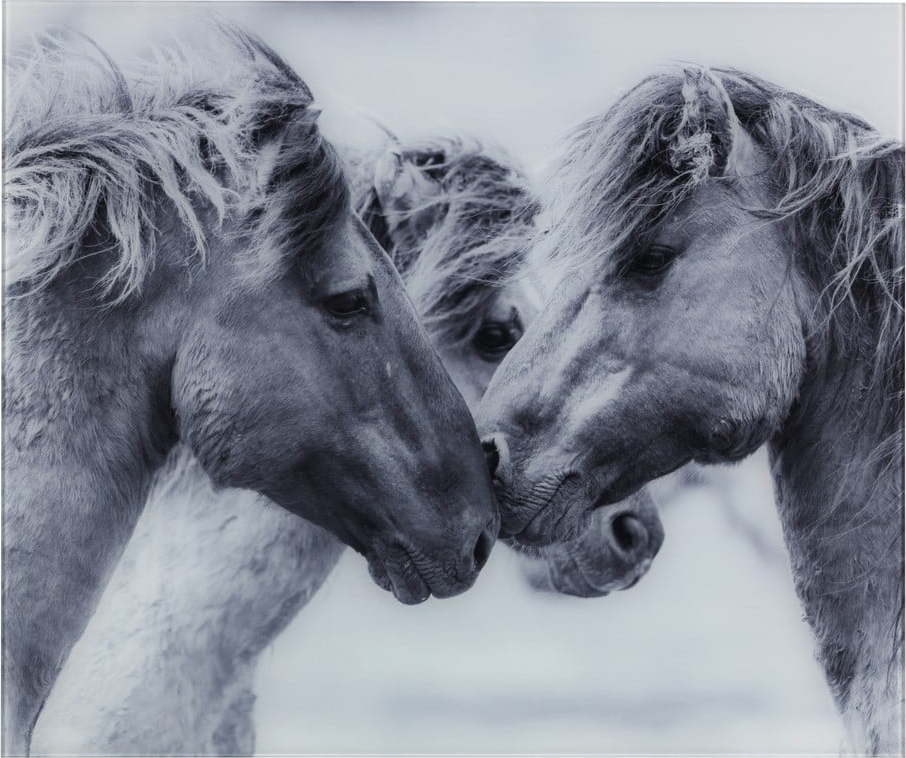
341,414
613,553
625,377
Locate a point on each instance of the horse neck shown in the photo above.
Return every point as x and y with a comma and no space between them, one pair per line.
840,501
85,412
181,627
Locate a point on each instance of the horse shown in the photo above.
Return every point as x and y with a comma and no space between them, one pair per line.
184,265
732,260
179,656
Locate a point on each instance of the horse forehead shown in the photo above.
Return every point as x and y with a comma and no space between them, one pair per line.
715,207
529,289
521,295
344,259
352,246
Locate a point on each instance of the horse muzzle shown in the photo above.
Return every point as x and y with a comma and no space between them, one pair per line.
413,575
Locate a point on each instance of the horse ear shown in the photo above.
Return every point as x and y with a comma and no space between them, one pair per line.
407,188
704,141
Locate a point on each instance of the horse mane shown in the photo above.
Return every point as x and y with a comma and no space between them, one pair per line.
835,181
223,129
482,215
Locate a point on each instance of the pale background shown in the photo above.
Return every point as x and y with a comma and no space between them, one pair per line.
708,654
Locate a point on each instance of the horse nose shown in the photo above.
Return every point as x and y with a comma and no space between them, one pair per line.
475,554
634,538
629,533
483,546
491,455
497,456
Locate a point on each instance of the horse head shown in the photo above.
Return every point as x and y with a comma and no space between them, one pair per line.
676,331
244,308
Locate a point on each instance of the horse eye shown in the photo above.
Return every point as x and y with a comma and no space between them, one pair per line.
495,339
346,304
653,261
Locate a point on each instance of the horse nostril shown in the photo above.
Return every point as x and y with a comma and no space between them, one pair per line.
491,455
724,435
482,549
630,534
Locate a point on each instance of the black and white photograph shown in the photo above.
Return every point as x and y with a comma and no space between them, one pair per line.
452,378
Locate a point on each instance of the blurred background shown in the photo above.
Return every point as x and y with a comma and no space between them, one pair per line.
709,653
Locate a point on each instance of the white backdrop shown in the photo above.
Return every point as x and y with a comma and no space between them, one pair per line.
708,653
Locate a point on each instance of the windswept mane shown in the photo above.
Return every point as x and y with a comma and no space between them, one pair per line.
464,235
834,180
219,131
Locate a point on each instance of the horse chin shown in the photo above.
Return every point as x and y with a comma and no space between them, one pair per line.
398,574
578,581
576,586
562,581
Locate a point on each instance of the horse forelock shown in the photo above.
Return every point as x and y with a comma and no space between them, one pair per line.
302,202
483,212
90,146
619,174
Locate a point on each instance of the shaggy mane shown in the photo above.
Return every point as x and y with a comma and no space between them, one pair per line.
223,130
483,213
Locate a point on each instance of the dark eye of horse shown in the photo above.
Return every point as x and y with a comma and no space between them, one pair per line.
653,261
346,304
496,338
